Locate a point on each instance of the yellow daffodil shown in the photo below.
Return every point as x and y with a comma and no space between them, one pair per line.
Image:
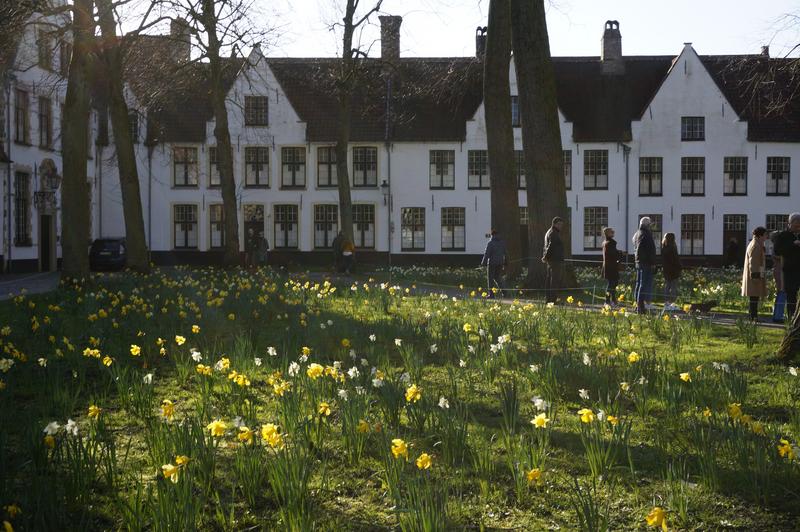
633,357
424,461
306,351
12,510
271,435
540,421
413,393
324,409
657,517
231,316
587,416
170,471
570,300
50,441
180,340
181,460
686,377
136,350
345,343
614,420
785,450
707,412
534,476
7,527
217,428
245,435
735,410
195,329
363,426
167,409
467,328
399,448
314,371
107,361
94,411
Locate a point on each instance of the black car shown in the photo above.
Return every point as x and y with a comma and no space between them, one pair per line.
107,254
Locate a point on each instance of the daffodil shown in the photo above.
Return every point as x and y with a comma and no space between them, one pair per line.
534,476
413,393
633,357
399,448
424,461
686,377
271,435
735,410
245,435
540,421
170,471
217,428
324,409
180,340
94,411
181,460
587,416
657,517
363,426
195,329
136,350
314,371
785,450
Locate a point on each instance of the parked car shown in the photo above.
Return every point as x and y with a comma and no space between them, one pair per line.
108,254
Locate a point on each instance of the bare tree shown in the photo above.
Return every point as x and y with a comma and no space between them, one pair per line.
499,132
347,78
75,211
541,134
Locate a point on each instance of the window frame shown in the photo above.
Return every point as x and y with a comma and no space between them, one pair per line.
187,164
44,50
519,161
693,174
253,112
296,165
366,163
650,170
693,128
733,173
692,231
593,226
516,118
45,123
265,173
331,166
329,218
785,172
478,160
449,218
191,207
22,121
417,225
220,223
437,161
566,161
282,214
22,210
361,225
593,162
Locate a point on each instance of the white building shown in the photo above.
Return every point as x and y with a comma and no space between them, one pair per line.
671,137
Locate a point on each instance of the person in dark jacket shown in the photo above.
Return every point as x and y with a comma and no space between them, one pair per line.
611,259
495,258
336,247
553,257
644,248
787,246
672,270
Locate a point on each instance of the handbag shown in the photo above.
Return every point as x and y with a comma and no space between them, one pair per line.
779,307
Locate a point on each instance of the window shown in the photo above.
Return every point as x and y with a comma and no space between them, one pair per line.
184,161
255,111
253,216
213,169
22,209
594,220
64,57
286,226
326,167
776,222
45,123
523,216
293,167
133,122
693,234
364,226
734,222
778,176
365,166
185,220
693,128
595,170
21,116
256,166
477,169
650,176
568,169
656,228
453,229
519,159
442,168
515,121
693,176
326,225
216,217
412,229
44,46
735,176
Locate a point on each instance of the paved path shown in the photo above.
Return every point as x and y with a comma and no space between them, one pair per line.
33,283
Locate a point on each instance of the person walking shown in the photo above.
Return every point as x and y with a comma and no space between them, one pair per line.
787,246
553,257
779,308
644,249
495,258
754,282
672,270
611,259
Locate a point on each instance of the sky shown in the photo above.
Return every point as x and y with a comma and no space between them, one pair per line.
439,28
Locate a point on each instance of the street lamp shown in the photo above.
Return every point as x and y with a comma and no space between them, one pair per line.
385,191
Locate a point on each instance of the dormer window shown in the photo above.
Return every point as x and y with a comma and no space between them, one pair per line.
44,46
693,128
255,111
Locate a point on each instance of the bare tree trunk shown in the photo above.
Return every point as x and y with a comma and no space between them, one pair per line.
75,207
137,254
223,136
541,134
345,88
499,132
790,345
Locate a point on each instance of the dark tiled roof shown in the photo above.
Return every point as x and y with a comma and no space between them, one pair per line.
762,92
432,98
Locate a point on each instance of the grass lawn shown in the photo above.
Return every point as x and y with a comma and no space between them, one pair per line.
245,400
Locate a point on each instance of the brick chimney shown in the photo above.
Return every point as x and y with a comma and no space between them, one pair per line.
480,41
390,37
611,49
181,39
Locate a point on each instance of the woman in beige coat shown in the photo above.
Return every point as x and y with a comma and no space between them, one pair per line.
754,283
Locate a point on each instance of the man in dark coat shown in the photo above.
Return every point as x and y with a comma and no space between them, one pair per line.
644,249
787,246
495,258
553,257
